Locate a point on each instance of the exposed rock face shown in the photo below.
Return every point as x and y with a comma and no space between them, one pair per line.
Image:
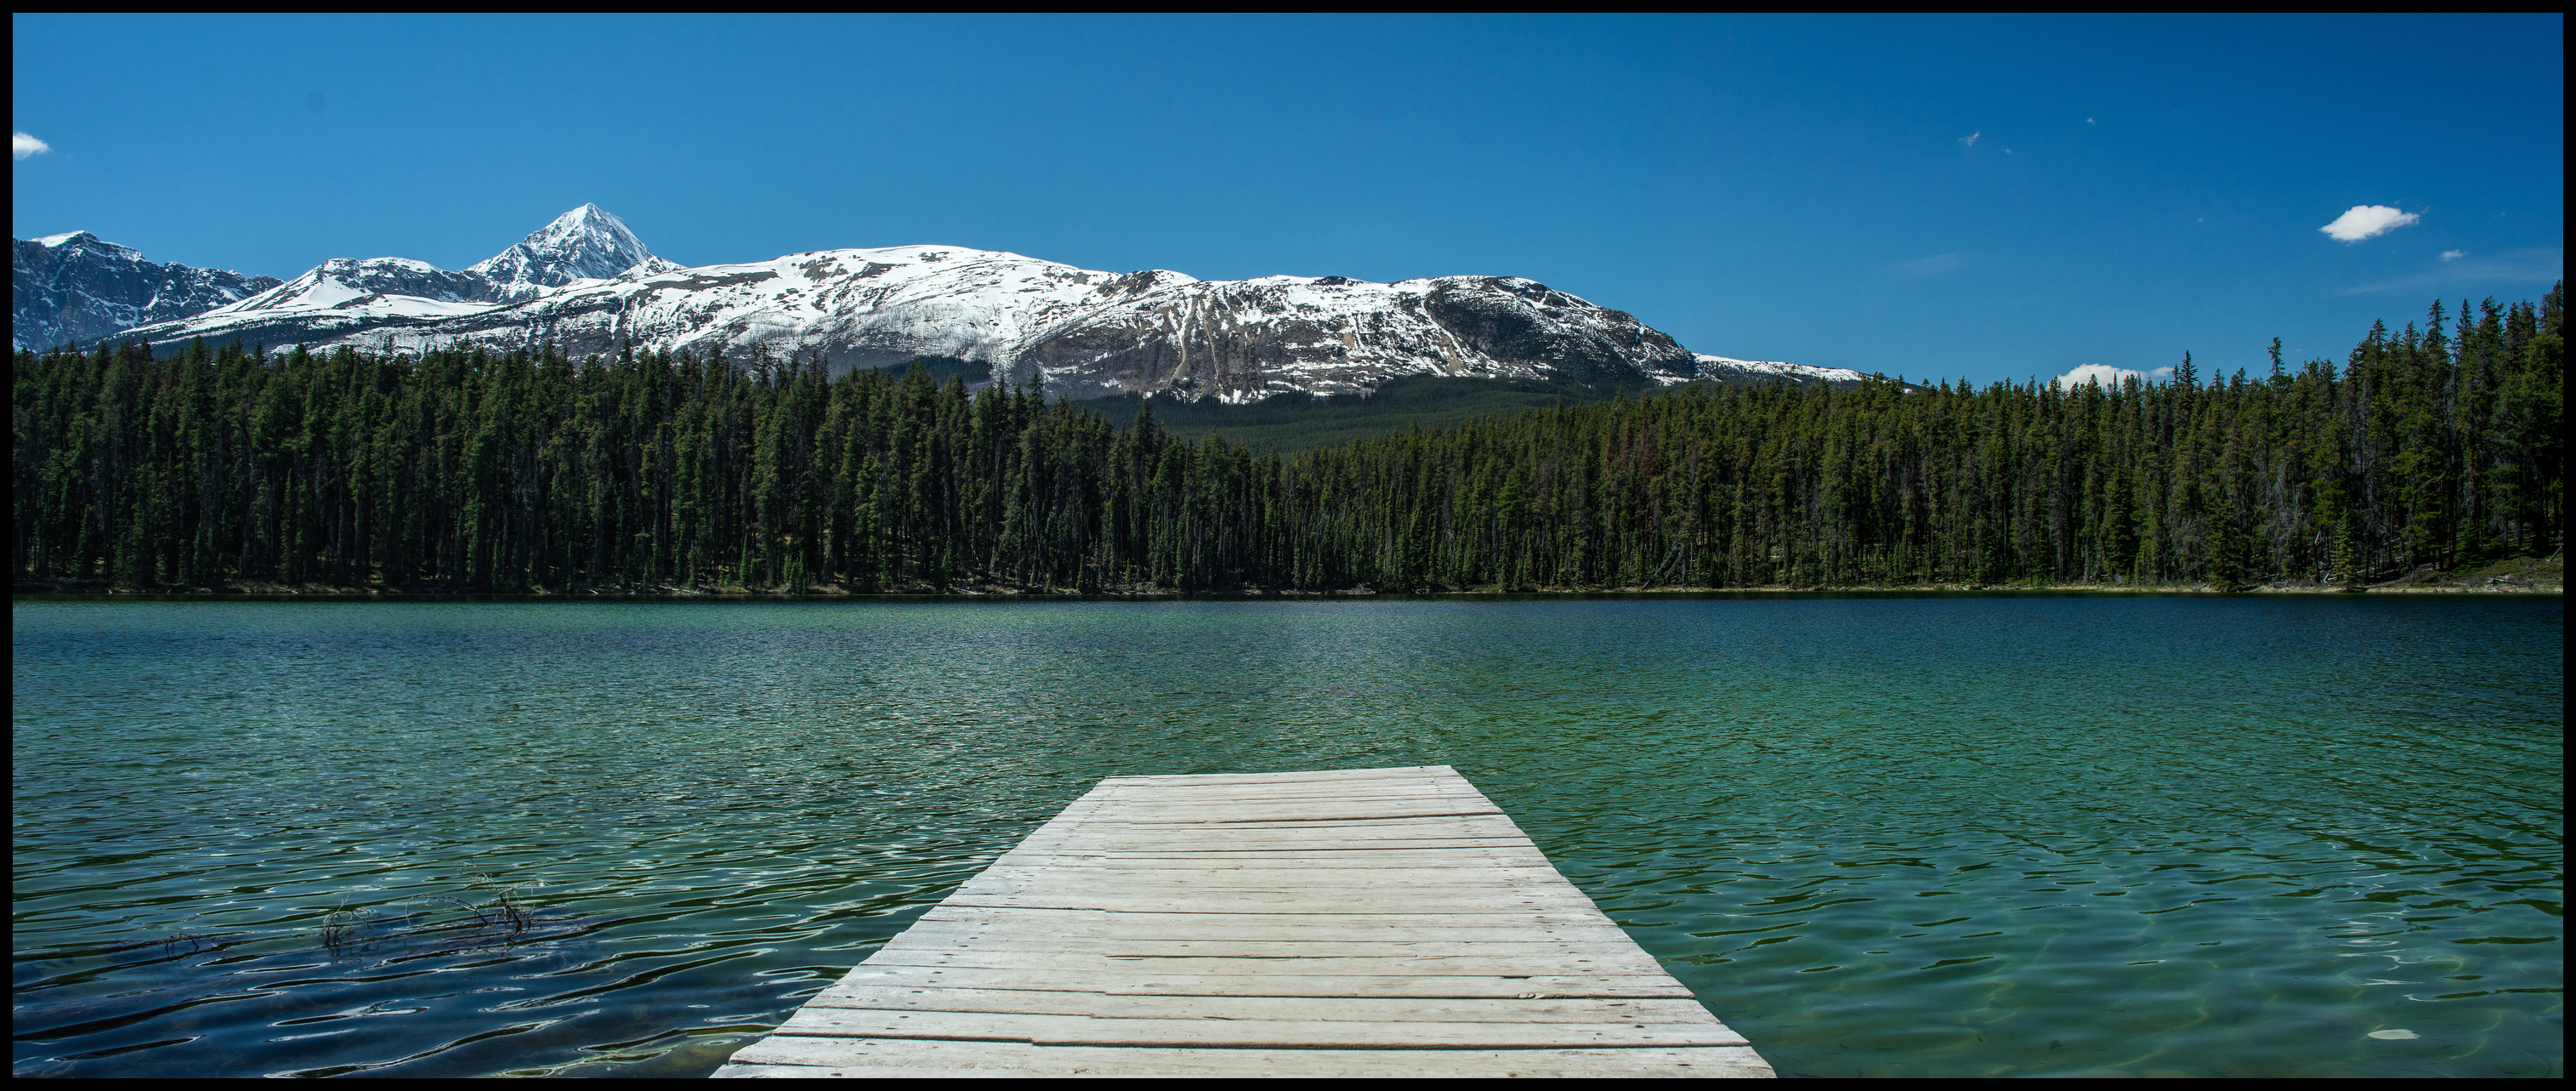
79,288
340,282
585,285
581,248
1729,370
1087,332
1508,318
1245,340
585,244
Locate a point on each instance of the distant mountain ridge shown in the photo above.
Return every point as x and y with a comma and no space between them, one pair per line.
585,284
77,287
581,248
1727,369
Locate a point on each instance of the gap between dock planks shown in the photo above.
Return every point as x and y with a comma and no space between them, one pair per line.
1345,922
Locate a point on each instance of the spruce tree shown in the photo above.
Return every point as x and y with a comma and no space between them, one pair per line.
2347,575
472,468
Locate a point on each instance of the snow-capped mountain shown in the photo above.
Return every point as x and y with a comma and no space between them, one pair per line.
77,287
581,248
585,284
1727,369
586,245
380,286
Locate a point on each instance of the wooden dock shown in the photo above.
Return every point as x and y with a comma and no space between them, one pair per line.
1352,922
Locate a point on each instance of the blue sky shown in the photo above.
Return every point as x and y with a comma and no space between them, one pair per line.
1989,198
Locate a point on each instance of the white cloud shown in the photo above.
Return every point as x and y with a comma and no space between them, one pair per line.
2454,255
21,145
2108,377
1970,140
2367,221
2088,121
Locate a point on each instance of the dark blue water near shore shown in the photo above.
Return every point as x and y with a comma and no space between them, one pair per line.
1882,836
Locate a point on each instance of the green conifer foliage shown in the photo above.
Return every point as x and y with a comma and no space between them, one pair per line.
470,469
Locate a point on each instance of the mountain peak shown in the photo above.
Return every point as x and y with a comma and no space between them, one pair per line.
587,243
83,240
76,287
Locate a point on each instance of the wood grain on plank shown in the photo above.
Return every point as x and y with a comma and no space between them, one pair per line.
1159,981
1305,777
1374,922
921,1058
1088,1030
1073,920
1232,901
1319,940
1450,947
1510,1009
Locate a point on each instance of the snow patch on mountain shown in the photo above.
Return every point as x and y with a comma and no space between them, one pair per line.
340,283
76,287
1731,370
92,242
583,246
1082,331
585,284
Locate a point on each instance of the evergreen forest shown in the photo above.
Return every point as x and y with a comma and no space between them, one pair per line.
471,470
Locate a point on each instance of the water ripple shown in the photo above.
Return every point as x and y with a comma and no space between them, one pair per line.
1935,836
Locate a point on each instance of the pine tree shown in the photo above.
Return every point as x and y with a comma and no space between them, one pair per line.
2347,575
476,469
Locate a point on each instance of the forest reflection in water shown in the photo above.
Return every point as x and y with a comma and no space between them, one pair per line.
1963,835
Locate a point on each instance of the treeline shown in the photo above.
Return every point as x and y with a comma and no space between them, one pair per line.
472,470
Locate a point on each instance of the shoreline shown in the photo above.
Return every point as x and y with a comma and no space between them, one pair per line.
324,593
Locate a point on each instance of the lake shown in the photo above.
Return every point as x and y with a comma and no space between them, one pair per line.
1892,835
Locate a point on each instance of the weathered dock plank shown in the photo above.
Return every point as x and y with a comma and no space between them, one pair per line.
1353,922
1273,983
800,1057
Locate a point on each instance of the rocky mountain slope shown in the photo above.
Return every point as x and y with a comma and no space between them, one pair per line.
586,284
76,287
584,246
1726,369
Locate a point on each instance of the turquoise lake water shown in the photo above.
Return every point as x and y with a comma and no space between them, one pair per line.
1918,836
